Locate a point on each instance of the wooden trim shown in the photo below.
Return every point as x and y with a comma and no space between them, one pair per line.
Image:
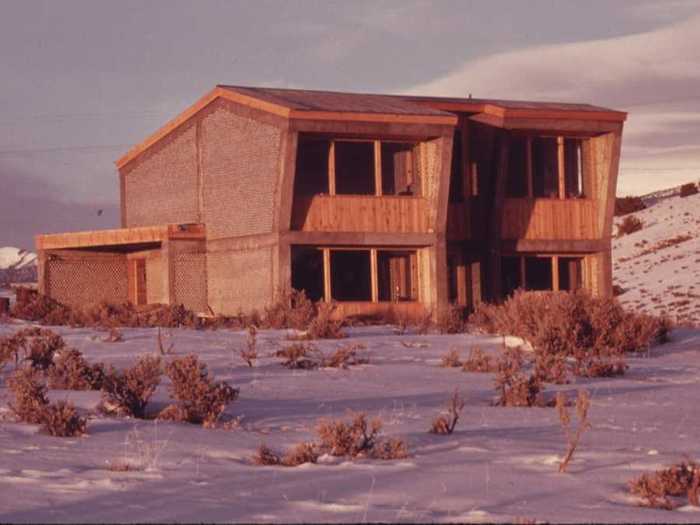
374,277
528,168
561,168
389,118
544,246
555,273
117,237
415,240
331,168
327,292
378,168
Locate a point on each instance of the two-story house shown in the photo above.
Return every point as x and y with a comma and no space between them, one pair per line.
375,201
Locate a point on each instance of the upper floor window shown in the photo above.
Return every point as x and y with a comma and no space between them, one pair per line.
545,167
356,167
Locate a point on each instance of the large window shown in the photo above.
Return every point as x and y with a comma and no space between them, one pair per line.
307,271
396,281
540,273
517,167
350,275
356,167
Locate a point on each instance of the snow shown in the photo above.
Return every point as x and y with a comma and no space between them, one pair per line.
666,280
15,258
499,465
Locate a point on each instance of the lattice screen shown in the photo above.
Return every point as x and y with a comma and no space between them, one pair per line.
83,281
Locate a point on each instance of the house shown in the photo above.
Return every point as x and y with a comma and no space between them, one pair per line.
375,201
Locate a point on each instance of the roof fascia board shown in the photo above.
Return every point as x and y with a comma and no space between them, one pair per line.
195,108
343,116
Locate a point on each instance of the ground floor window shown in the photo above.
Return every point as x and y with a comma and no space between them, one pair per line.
532,272
360,275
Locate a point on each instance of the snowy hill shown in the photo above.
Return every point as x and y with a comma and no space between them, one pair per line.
14,258
17,265
658,267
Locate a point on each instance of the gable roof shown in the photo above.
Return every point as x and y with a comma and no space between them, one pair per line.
364,107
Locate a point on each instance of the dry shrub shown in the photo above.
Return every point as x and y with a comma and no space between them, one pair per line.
514,388
297,455
573,437
554,367
345,356
689,189
200,399
37,345
300,356
164,348
71,371
39,308
678,480
30,395
478,361
127,392
293,310
323,326
113,336
358,438
250,353
446,423
61,420
573,324
625,205
451,320
629,224
451,359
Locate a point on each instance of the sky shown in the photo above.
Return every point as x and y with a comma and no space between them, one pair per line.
83,81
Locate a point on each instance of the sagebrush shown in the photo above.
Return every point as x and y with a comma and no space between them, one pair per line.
128,391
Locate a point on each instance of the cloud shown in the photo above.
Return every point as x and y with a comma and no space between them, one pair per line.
654,75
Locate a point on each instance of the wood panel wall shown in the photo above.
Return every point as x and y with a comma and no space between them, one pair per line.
361,213
550,219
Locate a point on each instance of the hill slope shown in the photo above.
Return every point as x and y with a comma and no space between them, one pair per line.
658,267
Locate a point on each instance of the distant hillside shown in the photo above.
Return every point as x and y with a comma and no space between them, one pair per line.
17,266
658,267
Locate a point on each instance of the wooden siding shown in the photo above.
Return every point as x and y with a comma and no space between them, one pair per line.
549,219
411,310
360,213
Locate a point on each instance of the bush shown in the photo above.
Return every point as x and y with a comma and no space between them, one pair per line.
72,372
689,189
62,420
37,345
451,359
514,388
39,308
200,400
629,224
478,361
295,456
573,437
625,205
358,438
250,353
446,423
300,356
323,326
293,310
451,320
574,325
678,480
30,395
345,356
127,392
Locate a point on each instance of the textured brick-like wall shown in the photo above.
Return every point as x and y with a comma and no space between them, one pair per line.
190,281
82,281
160,186
240,165
240,280
154,280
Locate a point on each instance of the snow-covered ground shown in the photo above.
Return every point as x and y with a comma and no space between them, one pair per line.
499,465
660,277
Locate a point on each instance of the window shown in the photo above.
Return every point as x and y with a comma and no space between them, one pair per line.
573,168
312,167
395,276
350,275
538,273
545,167
307,271
570,275
398,172
510,275
354,168
517,167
